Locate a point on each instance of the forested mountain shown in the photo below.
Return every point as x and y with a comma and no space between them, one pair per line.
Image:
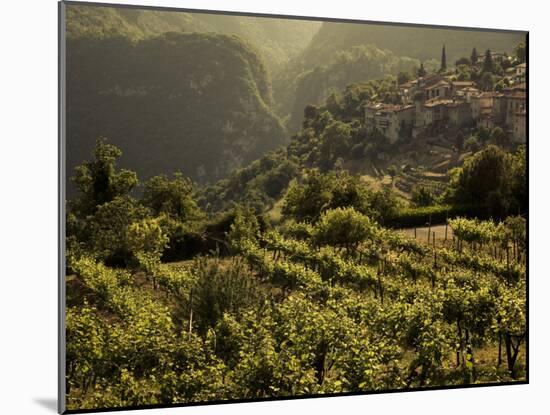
278,40
202,116
421,42
199,101
358,63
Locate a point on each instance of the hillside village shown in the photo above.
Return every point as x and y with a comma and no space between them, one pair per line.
360,227
438,102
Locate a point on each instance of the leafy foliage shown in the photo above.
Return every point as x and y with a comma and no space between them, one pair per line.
99,182
486,180
342,227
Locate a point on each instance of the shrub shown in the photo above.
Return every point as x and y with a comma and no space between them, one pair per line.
423,196
220,289
343,227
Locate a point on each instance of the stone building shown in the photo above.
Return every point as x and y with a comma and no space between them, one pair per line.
389,120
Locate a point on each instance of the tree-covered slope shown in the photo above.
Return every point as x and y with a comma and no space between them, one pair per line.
197,103
417,42
102,22
358,63
278,40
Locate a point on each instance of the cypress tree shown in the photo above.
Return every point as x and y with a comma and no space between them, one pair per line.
443,60
488,62
421,71
474,57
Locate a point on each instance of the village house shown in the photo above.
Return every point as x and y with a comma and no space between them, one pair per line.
441,89
467,93
389,120
435,110
409,90
455,112
482,104
498,110
458,86
515,103
459,112
516,114
492,109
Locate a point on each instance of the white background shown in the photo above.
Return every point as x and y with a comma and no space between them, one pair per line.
28,204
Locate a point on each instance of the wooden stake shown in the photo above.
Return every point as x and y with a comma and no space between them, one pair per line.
429,226
190,313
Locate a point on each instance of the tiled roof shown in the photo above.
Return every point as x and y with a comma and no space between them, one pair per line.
436,101
381,107
488,94
463,83
438,84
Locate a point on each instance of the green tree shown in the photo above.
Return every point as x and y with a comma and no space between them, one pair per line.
219,289
463,73
335,142
147,237
474,56
355,95
459,141
487,81
383,204
245,228
443,67
488,64
333,104
499,136
472,144
483,135
519,180
403,77
318,192
110,227
99,181
304,201
349,190
463,61
484,181
172,197
343,227
423,196
392,171
421,71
